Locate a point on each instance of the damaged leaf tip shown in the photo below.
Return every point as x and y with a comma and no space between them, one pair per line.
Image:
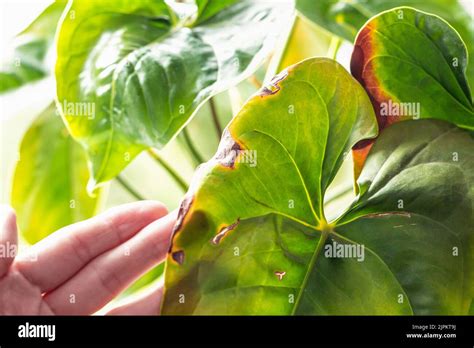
273,87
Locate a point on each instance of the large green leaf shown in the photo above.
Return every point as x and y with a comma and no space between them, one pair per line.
49,183
277,202
146,76
209,8
345,18
254,239
390,61
28,60
416,211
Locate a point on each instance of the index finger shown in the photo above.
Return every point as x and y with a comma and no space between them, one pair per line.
110,273
61,255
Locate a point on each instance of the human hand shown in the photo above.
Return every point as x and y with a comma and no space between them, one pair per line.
80,268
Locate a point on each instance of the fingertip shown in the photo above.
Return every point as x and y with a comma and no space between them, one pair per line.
146,209
155,207
8,227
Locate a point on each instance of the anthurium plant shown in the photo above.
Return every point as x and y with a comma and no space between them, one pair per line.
258,231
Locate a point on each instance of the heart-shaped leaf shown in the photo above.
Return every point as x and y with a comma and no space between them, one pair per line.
145,74
49,183
267,181
28,60
345,18
251,236
390,61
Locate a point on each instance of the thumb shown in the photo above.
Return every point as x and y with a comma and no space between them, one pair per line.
8,238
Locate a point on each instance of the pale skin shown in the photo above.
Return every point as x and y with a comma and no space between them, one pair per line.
80,268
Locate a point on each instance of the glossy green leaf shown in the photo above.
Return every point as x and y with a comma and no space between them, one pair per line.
267,181
397,43
28,60
416,211
209,8
242,274
251,236
390,61
345,18
145,77
49,183
413,217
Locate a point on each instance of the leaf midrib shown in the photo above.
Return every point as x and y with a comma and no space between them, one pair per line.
312,263
305,188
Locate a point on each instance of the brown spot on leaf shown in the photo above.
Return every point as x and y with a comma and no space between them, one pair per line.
393,213
363,70
280,274
273,87
182,212
228,151
223,232
360,152
357,60
178,256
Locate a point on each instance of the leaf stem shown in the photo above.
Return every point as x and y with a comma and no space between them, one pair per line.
256,82
334,46
129,188
197,157
171,171
215,119
235,100
319,248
